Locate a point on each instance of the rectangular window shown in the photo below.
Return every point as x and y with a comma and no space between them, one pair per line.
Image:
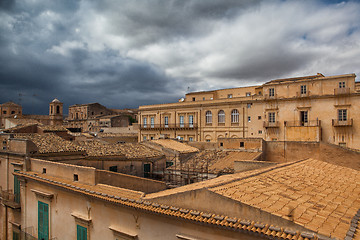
248,94
249,105
259,117
81,232
113,168
249,119
271,92
271,117
191,139
166,121
16,188
152,122
191,121
145,122
342,114
230,95
181,121
144,138
16,235
341,84
43,220
193,99
303,89
260,132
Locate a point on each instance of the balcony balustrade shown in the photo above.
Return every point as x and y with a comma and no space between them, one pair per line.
10,199
314,123
275,124
178,126
301,95
342,123
341,91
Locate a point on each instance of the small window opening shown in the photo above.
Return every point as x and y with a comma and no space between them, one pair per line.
44,170
242,144
221,144
193,99
76,177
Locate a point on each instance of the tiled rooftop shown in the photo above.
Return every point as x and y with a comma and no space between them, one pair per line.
49,142
215,161
322,197
130,150
52,128
175,145
133,199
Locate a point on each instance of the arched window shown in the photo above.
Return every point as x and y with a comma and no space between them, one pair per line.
208,116
57,109
221,116
235,116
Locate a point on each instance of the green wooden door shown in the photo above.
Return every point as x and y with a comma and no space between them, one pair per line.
16,188
16,236
81,232
43,221
146,169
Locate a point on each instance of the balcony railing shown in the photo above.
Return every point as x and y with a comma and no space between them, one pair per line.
342,123
300,95
177,126
10,199
267,96
340,91
314,123
275,124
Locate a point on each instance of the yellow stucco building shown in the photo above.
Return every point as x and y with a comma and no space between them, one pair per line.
309,108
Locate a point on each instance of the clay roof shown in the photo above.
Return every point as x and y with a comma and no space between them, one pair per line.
49,142
322,197
19,127
10,104
52,128
129,150
175,145
214,161
205,218
226,164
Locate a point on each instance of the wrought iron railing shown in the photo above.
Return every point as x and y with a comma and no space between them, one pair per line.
169,126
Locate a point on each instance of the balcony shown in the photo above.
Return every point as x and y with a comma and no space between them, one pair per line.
343,123
341,91
267,96
314,123
302,95
178,126
275,124
10,199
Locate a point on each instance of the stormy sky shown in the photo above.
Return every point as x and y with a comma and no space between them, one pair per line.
123,54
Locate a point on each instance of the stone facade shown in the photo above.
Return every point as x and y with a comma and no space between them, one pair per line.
310,108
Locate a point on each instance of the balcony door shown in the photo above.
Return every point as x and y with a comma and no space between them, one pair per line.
303,118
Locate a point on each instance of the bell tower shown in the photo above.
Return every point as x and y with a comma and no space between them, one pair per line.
56,112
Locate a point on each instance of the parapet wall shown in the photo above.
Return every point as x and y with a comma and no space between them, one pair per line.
67,171
242,166
129,182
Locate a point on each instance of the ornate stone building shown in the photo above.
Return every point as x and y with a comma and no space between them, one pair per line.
309,108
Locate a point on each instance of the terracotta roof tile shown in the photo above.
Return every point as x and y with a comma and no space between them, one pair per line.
175,145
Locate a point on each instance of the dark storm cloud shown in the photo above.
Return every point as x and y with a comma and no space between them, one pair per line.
130,53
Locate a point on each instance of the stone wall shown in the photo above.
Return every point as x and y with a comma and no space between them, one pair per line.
129,182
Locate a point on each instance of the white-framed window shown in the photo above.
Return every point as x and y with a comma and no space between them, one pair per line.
271,92
342,114
230,95
248,94
221,116
145,122
181,121
303,89
152,122
208,117
234,116
191,121
341,84
166,121
271,117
